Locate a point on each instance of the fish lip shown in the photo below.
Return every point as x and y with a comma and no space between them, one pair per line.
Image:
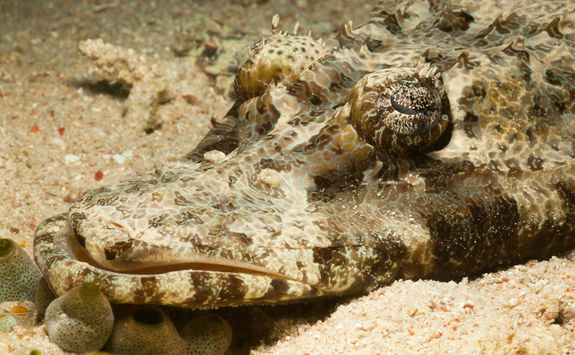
203,289
69,239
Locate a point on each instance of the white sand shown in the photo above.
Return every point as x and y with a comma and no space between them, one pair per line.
58,134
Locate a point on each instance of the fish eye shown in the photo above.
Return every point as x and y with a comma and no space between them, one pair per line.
402,113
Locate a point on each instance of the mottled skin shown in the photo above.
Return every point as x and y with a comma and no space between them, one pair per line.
302,207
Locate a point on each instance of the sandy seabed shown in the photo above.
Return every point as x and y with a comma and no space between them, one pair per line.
63,133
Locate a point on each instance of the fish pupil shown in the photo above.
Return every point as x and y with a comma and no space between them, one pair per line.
412,99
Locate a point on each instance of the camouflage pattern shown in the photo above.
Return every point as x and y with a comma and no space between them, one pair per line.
434,141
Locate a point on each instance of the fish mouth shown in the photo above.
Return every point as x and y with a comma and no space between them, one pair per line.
135,257
200,283
157,261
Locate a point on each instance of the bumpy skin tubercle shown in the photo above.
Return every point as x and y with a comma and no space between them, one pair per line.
435,140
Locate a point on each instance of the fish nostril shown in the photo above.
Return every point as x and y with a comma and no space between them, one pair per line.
80,239
115,250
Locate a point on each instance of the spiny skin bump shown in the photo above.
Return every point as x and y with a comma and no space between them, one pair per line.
435,140
19,276
81,320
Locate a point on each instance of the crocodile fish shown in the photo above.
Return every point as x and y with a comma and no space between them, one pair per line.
436,140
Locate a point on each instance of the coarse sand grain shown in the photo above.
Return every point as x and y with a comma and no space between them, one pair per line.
63,131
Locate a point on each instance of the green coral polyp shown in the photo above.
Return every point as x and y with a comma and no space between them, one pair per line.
19,276
81,320
207,334
148,317
147,330
6,246
89,289
28,352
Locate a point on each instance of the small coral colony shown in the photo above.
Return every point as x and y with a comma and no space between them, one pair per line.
82,320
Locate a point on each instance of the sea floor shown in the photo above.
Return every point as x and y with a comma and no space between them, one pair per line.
63,132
